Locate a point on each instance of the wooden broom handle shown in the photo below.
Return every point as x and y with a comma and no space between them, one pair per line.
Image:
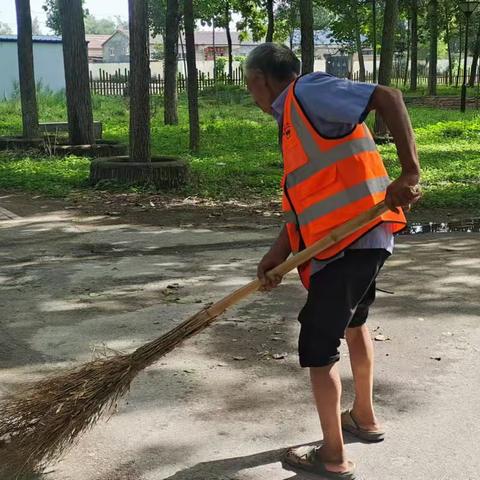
335,236
151,351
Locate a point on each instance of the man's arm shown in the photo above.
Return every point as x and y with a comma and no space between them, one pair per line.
388,102
278,252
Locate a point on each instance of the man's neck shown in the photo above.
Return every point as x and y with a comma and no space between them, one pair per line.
279,87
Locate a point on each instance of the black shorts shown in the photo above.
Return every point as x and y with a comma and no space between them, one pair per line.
340,296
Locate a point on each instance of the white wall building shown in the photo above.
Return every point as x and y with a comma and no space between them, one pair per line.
48,63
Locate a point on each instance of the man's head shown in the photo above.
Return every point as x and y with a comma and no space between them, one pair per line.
269,69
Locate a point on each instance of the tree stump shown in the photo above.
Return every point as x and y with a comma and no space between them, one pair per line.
164,172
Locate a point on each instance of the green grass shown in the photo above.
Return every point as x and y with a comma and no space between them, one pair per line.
240,156
442,90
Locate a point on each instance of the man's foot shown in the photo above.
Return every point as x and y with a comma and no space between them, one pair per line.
365,420
318,460
370,431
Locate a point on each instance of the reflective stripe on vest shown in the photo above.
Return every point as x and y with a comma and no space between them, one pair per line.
342,199
319,160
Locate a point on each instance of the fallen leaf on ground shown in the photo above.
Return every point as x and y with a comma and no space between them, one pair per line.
279,356
381,338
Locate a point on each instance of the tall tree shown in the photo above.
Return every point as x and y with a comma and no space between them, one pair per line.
386,55
460,48
374,38
414,45
229,39
139,81
171,62
77,86
388,42
475,55
358,40
447,30
192,81
307,40
26,69
407,63
433,55
349,26
271,20
99,26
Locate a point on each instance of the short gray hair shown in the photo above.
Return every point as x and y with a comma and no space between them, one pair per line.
275,60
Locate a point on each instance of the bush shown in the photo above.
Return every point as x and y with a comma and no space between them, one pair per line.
220,65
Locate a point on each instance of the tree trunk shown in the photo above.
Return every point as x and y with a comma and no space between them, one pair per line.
271,21
433,56
192,83
183,53
476,54
386,57
293,19
171,63
214,52
358,42
448,40
229,41
139,81
409,35
374,40
307,43
75,59
414,47
25,69
460,43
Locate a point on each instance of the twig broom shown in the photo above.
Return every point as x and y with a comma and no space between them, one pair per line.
39,423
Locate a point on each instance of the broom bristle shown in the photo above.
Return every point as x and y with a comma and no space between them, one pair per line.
40,422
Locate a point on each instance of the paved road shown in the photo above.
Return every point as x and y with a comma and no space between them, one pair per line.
69,283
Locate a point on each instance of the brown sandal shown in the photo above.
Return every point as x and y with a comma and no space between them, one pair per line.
351,426
306,458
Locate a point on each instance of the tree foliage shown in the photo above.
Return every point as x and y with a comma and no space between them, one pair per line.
5,29
93,25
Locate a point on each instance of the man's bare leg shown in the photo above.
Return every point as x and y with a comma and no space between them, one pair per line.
327,390
360,347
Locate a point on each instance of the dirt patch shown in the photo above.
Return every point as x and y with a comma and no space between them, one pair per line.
170,210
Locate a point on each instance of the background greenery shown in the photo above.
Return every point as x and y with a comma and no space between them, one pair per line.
239,153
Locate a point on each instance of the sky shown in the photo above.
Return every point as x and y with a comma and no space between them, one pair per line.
98,8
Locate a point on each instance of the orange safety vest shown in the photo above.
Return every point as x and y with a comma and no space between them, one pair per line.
327,182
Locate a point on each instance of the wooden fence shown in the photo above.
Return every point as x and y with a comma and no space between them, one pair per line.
422,78
117,84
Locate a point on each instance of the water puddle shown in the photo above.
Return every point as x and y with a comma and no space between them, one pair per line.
466,226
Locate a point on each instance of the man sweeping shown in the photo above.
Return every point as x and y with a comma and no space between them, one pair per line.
332,173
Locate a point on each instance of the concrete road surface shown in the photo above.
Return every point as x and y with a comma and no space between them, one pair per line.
221,406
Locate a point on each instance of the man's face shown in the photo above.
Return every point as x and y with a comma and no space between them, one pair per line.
260,89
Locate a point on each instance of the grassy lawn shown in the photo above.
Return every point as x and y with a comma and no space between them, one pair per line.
240,156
